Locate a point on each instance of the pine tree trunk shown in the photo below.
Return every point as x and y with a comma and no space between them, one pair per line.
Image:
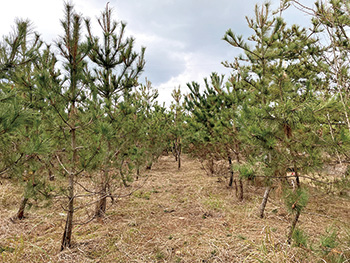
51,175
175,154
101,205
20,213
241,189
264,201
236,188
173,150
67,235
122,174
211,165
240,179
297,214
137,172
102,202
178,154
231,171
292,228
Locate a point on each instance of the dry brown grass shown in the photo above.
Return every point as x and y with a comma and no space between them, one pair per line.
177,216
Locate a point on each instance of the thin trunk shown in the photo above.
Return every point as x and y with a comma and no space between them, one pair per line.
49,167
240,179
231,171
297,180
211,165
149,166
292,228
137,172
101,206
173,150
175,154
297,214
102,201
51,175
122,174
241,189
178,154
264,201
230,183
20,213
236,188
67,235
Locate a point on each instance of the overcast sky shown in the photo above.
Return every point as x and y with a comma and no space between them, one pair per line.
182,37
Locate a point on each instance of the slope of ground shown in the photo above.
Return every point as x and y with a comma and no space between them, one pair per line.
175,216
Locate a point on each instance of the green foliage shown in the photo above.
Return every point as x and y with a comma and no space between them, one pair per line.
24,139
142,195
37,188
299,237
245,170
117,65
18,48
277,77
284,106
211,123
177,130
328,240
297,199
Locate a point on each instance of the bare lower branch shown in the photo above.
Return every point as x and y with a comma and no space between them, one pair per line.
64,168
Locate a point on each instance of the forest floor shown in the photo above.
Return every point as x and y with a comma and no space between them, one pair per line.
178,216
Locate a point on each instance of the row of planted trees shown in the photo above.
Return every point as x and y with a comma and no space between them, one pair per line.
75,112
283,114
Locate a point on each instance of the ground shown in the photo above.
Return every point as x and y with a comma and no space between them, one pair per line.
176,215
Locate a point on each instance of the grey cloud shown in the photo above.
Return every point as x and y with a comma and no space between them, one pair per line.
161,66
183,27
183,38
198,25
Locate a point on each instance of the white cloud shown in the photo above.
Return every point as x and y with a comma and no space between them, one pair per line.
196,68
182,38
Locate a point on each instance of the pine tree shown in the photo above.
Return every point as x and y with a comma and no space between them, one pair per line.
205,111
153,123
117,68
69,103
14,53
281,114
214,122
177,129
332,19
20,57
